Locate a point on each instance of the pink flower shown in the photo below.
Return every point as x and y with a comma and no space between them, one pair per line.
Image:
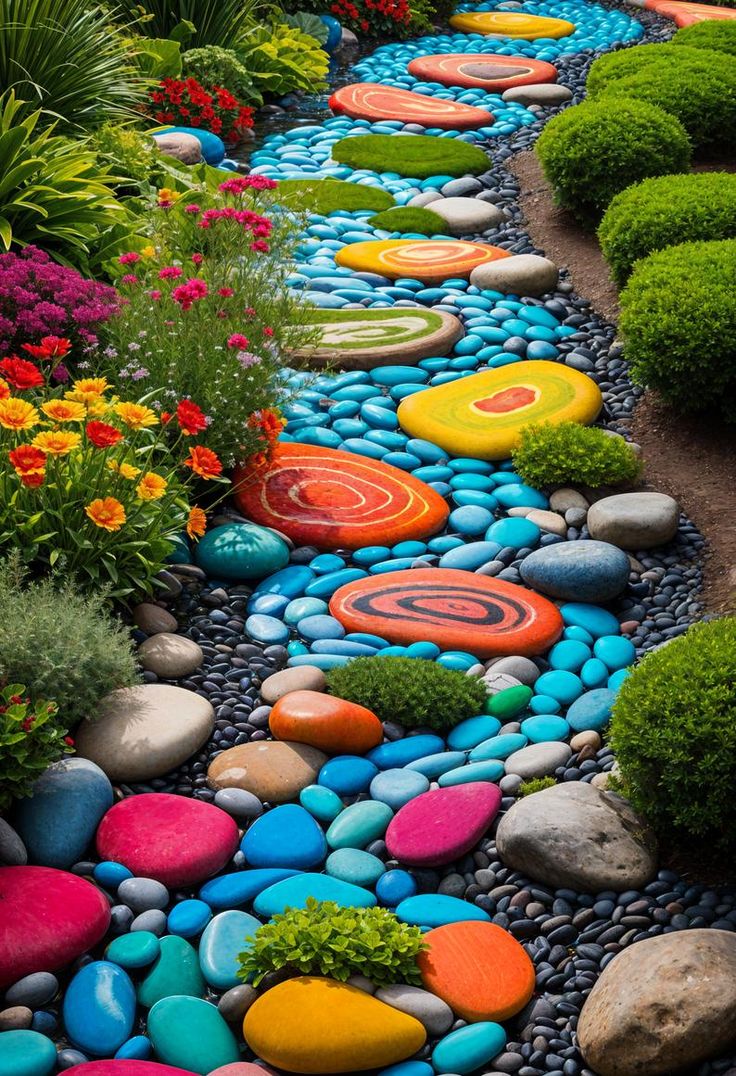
260,246
129,278
155,294
197,259
247,358
268,331
237,340
130,258
169,272
192,208
226,293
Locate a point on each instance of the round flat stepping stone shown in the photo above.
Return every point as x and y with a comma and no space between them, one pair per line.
456,610
333,725
321,497
466,216
511,24
273,770
684,14
482,415
442,825
483,71
364,339
373,101
430,260
542,93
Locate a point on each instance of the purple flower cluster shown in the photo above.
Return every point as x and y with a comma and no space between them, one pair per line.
39,297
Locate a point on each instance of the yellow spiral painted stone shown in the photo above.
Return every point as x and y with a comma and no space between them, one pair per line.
483,415
510,24
428,260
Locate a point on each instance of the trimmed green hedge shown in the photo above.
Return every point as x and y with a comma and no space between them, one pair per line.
566,453
623,63
418,156
409,219
716,34
664,211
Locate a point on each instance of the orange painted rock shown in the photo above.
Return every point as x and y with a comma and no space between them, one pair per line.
372,101
482,71
454,609
684,13
334,500
480,970
333,725
430,260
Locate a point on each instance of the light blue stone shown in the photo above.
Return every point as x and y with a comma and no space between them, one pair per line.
223,939
321,802
516,532
472,731
489,770
544,704
317,627
326,562
397,787
517,495
592,710
389,756
615,680
615,652
544,728
560,684
594,673
294,893
355,866
347,775
569,655
188,918
359,824
408,1068
457,660
26,1053
394,886
286,836
371,554
269,604
470,519
584,571
580,635
409,549
591,618
138,1048
300,608
426,651
436,909
469,1048
266,629
240,551
99,1008
498,747
135,950
231,890
320,661
432,766
471,556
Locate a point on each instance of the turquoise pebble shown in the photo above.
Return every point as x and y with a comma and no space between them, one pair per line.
615,680
470,556
320,626
371,554
394,886
580,635
326,585
569,655
286,836
432,766
409,549
560,684
299,608
516,532
472,731
99,1008
498,747
134,950
355,866
517,495
266,629
594,673
321,661
470,519
544,728
347,775
444,543
544,704
615,652
294,893
591,711
457,660
326,562
437,909
359,824
188,918
408,1068
469,1048
290,582
224,938
26,1053
110,875
592,618
489,770
324,804
366,639
423,650
397,787
388,756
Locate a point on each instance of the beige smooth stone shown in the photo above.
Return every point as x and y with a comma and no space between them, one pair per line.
274,770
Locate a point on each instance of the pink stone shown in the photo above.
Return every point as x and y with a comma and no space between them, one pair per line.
177,840
243,1068
439,826
47,919
128,1067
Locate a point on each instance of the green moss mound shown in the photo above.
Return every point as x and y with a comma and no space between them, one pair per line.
663,212
678,321
674,734
408,219
418,156
623,63
566,453
592,151
325,196
718,35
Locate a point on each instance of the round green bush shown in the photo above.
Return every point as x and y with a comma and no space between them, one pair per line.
716,34
408,219
623,63
592,151
678,321
419,156
565,453
664,211
415,693
674,733
215,66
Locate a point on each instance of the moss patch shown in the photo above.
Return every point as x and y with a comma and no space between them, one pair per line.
408,219
415,155
327,196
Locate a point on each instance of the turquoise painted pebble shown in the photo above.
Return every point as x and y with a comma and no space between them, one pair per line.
544,704
26,1053
433,766
285,836
594,673
266,629
516,532
397,787
223,939
472,731
230,890
312,628
240,551
301,608
591,711
498,747
355,866
544,728
189,918
488,770
615,652
189,1031
569,655
359,824
394,886
561,685
437,909
134,950
294,892
467,1049
389,756
321,802
99,1008
347,775
408,1068
591,618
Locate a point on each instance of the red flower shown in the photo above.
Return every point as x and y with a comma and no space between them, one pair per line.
28,460
51,347
165,417
190,418
32,480
68,740
103,435
20,373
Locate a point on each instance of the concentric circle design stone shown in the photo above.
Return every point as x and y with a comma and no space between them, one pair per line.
454,609
684,13
482,71
318,496
430,260
510,24
483,415
373,101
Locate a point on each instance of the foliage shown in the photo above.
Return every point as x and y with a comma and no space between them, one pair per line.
325,196
30,740
415,693
308,24
563,453
185,103
156,57
325,939
215,66
678,320
592,151
408,219
716,34
419,156
535,784
281,59
131,156
664,211
674,733
374,18
215,22
61,642
622,63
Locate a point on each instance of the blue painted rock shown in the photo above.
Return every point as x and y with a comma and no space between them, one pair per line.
241,551
394,886
223,939
354,866
324,804
615,652
437,909
294,893
469,1048
347,775
486,770
396,787
232,890
134,950
590,618
286,836
389,756
26,1053
439,826
188,918
577,571
189,1031
99,1008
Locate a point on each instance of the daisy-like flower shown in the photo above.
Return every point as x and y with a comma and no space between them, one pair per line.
17,414
125,470
136,416
57,442
151,487
64,410
107,513
196,523
190,418
20,373
204,462
103,435
28,460
4,389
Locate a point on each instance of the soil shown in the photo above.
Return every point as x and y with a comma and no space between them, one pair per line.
692,458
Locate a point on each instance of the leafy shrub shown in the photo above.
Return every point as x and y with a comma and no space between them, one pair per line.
281,59
592,151
215,66
415,693
664,211
325,196
379,18
30,740
308,24
674,733
193,22
325,939
61,642
535,784
678,320
612,66
132,157
716,34
419,156
408,219
563,453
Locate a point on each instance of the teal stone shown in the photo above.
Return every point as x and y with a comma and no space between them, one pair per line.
135,950
591,618
615,652
472,731
294,893
471,556
408,1068
397,787
435,765
544,704
99,1008
615,680
467,1049
223,939
189,918
299,608
359,824
569,655
498,747
544,728
561,685
409,549
436,909
371,554
26,1053
321,802
517,495
395,375
231,890
580,635
176,971
289,582
326,562
324,586
425,650
594,673
591,711
190,1033
240,551
136,1049
354,866
490,770
514,531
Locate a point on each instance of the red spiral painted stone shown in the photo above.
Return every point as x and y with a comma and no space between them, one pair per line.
684,13
372,101
482,70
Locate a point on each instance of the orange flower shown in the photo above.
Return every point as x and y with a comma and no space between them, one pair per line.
33,480
151,487
28,460
103,435
203,462
125,470
4,389
190,418
64,410
137,416
17,414
196,523
106,512
57,442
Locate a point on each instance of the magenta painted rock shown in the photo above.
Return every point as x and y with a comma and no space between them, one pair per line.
126,1067
438,826
47,919
177,840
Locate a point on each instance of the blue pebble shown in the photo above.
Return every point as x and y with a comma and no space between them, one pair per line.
286,836
472,731
544,728
326,562
498,747
470,556
388,756
469,1048
516,532
457,660
591,711
488,770
231,890
560,684
594,673
470,519
423,650
517,495
294,892
347,775
326,585
394,886
408,1068
569,655
138,1048
580,635
367,639
266,629
591,618
355,866
188,918
109,874
432,766
615,652
99,1008
223,940
371,554
300,608
616,679
436,910
321,802
396,787
320,626
268,604
544,704
291,581
26,1053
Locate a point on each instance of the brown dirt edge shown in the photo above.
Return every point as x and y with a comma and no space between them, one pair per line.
692,459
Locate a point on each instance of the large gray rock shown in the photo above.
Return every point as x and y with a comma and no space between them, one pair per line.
184,147
428,1009
573,835
663,1005
521,274
467,216
634,520
538,93
538,760
583,571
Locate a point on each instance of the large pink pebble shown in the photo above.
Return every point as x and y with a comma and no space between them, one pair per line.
47,919
177,840
439,826
244,1068
127,1067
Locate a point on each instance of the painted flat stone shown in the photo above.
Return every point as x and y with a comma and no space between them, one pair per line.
114,1067
456,610
294,893
510,24
480,970
437,909
231,890
273,770
364,339
287,836
223,939
347,775
313,1025
333,500
134,950
577,571
354,866
176,972
430,260
439,826
26,1053
99,1008
482,415
333,725
469,1048
480,70
191,1032
49,918
684,14
373,101
241,551
359,824
176,840
397,787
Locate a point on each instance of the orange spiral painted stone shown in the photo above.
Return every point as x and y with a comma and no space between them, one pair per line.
335,500
684,13
481,971
430,260
483,71
333,725
372,101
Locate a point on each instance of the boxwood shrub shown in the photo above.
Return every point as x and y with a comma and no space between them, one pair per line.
623,63
716,34
566,453
592,151
678,321
664,211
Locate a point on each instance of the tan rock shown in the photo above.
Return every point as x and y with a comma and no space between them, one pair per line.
565,498
184,147
170,656
300,678
589,738
152,618
548,521
274,770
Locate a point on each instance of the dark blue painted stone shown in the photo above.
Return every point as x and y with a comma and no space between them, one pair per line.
289,582
390,756
99,1008
585,571
232,890
294,892
347,775
591,711
395,886
286,836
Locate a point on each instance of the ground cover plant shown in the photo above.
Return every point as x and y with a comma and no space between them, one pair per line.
419,155
710,34
408,219
325,196
215,66
30,741
562,453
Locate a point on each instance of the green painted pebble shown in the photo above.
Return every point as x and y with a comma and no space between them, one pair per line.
175,972
189,1032
135,950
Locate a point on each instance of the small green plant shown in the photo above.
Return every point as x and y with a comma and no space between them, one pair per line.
281,59
563,453
325,939
678,321
325,196
415,693
408,219
592,151
716,34
414,155
535,784
30,740
674,734
215,66
132,157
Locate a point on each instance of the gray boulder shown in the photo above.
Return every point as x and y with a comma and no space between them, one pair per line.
521,274
634,520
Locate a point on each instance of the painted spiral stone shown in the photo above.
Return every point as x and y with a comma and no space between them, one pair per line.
483,71
684,13
483,415
430,260
510,24
372,101
454,609
334,500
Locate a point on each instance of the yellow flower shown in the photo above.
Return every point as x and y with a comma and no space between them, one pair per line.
56,442
167,195
136,415
89,390
17,414
125,470
94,385
151,487
64,410
106,512
149,252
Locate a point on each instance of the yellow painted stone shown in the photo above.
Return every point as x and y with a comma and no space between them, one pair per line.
483,415
314,1025
511,24
429,260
